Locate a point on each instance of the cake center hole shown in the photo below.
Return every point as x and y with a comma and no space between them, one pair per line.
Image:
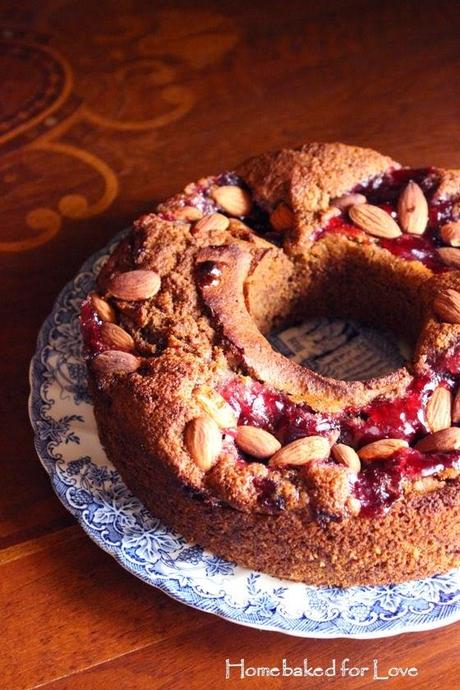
344,350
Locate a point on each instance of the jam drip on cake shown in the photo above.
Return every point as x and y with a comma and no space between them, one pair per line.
378,482
91,330
385,192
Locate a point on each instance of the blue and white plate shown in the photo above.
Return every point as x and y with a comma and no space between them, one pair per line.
92,490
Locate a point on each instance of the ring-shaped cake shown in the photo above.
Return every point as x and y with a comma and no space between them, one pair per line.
243,450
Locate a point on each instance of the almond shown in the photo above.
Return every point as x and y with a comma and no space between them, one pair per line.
282,218
188,213
374,220
238,226
116,337
456,407
115,362
233,200
251,241
438,409
346,200
354,505
303,450
450,233
214,405
382,449
413,209
450,256
426,484
256,442
443,441
214,221
102,308
346,456
134,285
203,440
446,306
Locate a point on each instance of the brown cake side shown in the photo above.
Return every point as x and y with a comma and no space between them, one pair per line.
242,450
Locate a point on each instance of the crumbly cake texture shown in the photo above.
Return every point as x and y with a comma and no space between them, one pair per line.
247,453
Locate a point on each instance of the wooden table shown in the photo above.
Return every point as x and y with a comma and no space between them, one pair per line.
107,107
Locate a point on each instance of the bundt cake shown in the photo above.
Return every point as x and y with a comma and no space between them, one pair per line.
243,450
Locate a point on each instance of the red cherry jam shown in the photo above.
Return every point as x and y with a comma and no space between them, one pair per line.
90,325
401,418
381,483
413,248
378,484
384,192
260,406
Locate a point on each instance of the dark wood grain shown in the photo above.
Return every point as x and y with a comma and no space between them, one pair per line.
107,107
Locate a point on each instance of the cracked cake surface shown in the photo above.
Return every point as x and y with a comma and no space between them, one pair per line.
245,451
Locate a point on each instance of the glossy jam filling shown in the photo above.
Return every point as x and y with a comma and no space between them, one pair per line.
379,484
384,192
257,405
90,326
400,418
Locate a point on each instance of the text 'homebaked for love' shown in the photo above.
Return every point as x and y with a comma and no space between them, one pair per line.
337,668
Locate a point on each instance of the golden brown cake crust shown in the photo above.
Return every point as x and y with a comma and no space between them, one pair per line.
418,538
222,284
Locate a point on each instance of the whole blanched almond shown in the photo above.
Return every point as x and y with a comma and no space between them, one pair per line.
413,209
446,306
116,337
203,440
282,218
214,405
438,409
102,308
214,221
233,200
382,449
346,200
346,456
374,220
189,213
450,233
450,256
307,449
134,285
443,441
256,442
115,362
456,407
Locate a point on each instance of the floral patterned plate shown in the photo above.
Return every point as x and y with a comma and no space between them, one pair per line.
92,490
